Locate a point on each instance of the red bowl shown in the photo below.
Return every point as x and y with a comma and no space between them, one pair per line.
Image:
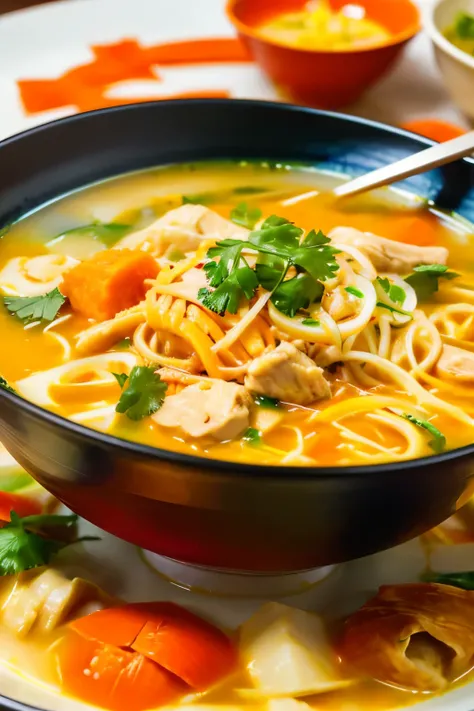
326,79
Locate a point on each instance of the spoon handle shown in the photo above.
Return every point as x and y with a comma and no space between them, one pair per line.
432,157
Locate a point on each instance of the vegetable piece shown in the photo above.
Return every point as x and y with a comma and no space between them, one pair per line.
113,678
252,436
144,392
425,279
21,505
267,402
311,322
5,386
106,232
35,308
21,548
109,282
227,296
245,216
394,292
463,580
355,292
438,443
287,652
464,26
436,130
393,310
297,293
176,639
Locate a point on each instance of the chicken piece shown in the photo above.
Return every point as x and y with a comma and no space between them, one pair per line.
387,255
44,599
287,653
183,228
109,282
214,409
418,636
339,304
33,276
102,336
287,374
456,364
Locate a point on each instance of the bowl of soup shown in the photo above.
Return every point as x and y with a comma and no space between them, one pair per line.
450,24
204,361
324,53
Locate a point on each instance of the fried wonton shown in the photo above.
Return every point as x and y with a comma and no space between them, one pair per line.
418,637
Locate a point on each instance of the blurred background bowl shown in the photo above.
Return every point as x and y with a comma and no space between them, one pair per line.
203,511
321,78
456,66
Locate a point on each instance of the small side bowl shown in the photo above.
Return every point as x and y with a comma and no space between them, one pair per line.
456,66
325,79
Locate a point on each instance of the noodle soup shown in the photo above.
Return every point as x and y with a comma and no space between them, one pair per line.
208,310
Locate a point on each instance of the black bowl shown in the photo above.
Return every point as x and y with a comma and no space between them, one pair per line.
220,514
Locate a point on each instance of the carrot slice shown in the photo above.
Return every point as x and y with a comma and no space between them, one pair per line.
184,644
113,678
108,282
434,129
21,505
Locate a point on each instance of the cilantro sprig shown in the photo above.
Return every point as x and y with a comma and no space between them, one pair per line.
425,279
394,292
144,392
25,543
279,248
252,436
245,216
438,443
35,308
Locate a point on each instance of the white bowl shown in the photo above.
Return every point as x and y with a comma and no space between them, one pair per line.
456,66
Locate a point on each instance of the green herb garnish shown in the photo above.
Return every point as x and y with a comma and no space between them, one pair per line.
355,292
278,245
458,580
245,216
144,392
252,436
107,232
5,386
270,403
311,322
438,443
392,309
394,292
464,26
425,278
35,308
24,545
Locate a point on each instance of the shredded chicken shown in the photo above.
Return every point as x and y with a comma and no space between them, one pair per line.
388,255
44,599
183,228
208,409
456,363
287,374
102,336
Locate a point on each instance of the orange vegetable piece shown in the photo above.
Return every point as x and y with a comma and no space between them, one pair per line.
414,230
184,644
113,678
108,282
21,505
434,129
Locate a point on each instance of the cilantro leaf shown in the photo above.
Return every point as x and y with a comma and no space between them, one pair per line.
245,216
269,403
394,292
464,580
438,443
425,279
5,386
464,26
392,309
241,282
315,239
121,378
252,436
107,232
296,293
144,393
217,272
278,236
311,322
22,548
355,292
270,269
35,308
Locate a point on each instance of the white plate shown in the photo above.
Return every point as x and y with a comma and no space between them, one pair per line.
42,43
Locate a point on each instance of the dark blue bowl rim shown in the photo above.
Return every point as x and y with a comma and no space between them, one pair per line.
205,465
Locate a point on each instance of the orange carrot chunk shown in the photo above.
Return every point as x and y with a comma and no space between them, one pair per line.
113,678
108,282
21,505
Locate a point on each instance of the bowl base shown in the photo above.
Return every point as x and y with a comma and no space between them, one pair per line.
237,584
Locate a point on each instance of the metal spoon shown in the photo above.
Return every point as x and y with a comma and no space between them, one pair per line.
432,157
